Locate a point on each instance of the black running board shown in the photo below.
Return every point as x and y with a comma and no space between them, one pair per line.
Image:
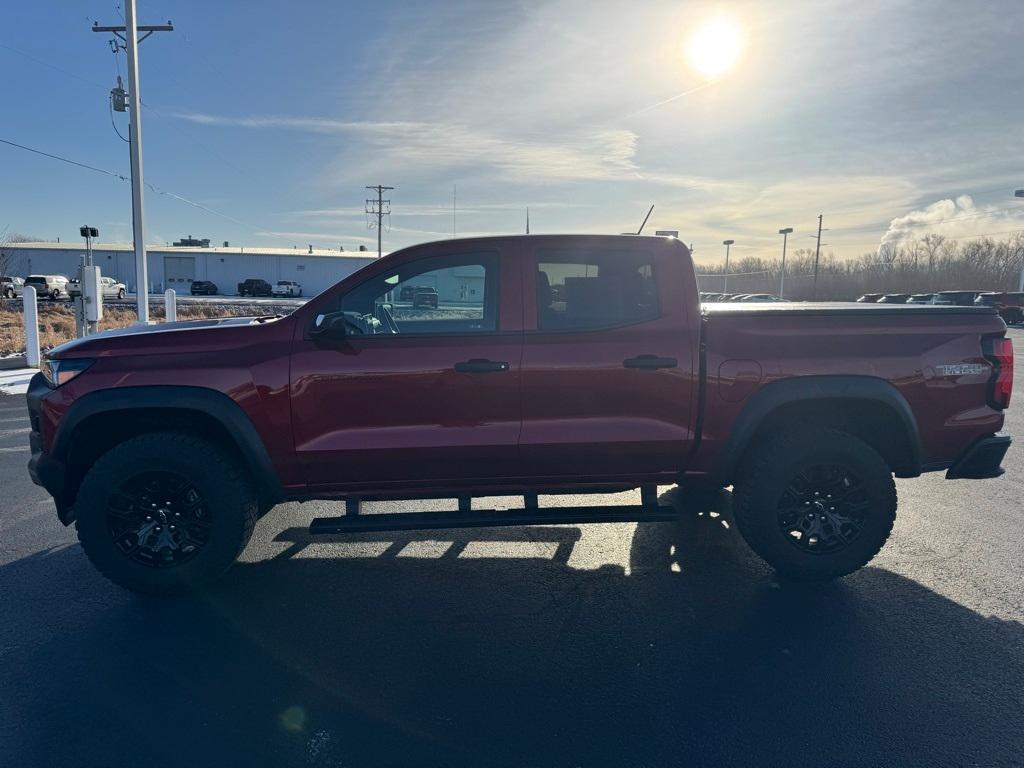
487,518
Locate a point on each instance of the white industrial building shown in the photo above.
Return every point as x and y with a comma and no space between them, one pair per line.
315,269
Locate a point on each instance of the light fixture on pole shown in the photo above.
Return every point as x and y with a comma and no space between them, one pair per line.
785,232
725,283
89,233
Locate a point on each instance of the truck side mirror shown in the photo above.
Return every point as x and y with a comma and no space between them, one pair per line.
330,325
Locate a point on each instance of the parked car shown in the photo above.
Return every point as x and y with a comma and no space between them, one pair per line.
54,286
164,448
425,298
759,297
1009,305
959,298
894,298
254,286
287,288
110,287
926,298
11,287
869,298
203,288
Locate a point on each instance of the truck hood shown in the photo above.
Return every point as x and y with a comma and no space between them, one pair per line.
170,337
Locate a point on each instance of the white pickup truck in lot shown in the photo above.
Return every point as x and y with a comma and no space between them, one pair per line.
287,288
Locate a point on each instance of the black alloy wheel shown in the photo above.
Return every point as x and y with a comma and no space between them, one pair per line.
159,519
822,509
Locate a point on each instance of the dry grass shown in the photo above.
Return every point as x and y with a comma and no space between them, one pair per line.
57,323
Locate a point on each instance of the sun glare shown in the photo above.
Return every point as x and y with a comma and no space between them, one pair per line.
715,47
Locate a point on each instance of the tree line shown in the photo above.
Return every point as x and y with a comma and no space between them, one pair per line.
929,264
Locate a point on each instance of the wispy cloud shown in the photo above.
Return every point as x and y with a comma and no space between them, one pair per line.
426,146
318,237
415,210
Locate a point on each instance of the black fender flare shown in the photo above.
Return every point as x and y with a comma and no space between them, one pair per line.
807,388
208,402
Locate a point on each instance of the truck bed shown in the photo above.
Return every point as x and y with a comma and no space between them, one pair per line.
838,309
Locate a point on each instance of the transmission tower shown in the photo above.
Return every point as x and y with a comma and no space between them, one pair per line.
378,208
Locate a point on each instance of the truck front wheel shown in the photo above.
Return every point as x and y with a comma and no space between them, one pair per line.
816,504
165,512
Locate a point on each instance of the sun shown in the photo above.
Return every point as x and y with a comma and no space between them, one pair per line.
715,47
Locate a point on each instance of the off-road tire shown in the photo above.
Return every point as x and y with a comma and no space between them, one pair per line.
218,476
767,472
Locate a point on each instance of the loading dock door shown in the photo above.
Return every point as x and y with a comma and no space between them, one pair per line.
179,272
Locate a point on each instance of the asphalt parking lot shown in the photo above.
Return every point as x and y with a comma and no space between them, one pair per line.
618,645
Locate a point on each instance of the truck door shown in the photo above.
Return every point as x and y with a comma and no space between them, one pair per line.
608,374
421,394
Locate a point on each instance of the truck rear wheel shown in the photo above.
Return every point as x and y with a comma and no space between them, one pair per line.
816,504
165,512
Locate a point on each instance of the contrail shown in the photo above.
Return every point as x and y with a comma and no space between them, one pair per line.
669,100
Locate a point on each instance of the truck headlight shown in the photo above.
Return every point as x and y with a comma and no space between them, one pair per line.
57,372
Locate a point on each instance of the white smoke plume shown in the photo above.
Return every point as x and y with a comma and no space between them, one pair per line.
959,218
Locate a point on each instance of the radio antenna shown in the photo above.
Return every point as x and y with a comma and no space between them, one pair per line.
644,223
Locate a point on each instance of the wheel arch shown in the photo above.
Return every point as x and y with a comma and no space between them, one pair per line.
102,419
868,407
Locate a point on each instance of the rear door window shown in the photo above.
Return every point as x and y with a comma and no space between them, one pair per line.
580,289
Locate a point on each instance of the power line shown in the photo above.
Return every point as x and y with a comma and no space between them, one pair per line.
122,177
65,160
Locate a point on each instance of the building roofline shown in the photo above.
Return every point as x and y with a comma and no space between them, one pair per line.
190,249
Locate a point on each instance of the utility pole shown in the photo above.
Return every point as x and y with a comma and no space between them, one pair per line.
527,220
455,190
817,252
128,34
380,208
785,232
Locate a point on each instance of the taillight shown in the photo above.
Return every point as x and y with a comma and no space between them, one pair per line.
999,351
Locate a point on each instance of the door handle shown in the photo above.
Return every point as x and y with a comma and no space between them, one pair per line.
649,362
479,365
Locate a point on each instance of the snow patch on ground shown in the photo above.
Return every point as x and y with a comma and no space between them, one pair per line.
15,382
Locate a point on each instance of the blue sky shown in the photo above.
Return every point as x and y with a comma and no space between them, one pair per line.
276,115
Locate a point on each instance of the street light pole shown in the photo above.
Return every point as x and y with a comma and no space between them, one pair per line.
1020,282
725,284
782,279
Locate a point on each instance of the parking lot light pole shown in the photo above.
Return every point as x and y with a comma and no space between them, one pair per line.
1020,283
725,284
785,232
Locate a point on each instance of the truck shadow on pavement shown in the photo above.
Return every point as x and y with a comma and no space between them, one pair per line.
696,655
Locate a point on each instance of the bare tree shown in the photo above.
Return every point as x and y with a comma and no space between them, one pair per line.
7,252
930,264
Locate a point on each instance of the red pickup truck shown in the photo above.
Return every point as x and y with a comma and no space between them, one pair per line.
548,365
